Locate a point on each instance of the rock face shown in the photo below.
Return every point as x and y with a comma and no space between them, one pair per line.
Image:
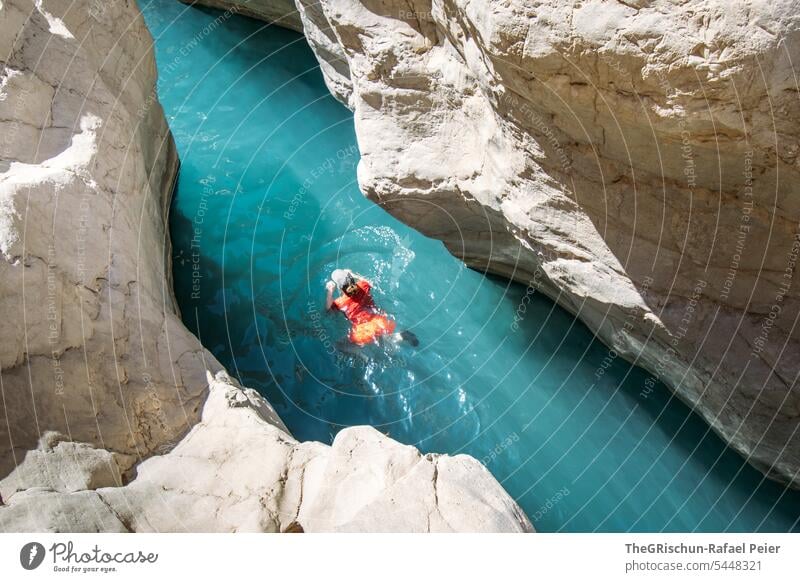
92,346
636,161
281,12
238,470
97,372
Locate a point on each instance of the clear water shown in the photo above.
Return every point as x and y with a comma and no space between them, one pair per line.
267,205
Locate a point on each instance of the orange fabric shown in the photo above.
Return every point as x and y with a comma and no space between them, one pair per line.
369,331
368,323
357,309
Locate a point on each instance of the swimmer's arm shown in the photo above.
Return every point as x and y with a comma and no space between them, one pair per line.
329,287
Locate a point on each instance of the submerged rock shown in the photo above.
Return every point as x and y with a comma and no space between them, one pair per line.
635,161
112,417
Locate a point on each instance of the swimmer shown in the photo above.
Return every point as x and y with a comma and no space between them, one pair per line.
356,303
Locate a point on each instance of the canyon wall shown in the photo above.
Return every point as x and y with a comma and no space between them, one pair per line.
91,344
282,12
113,417
636,161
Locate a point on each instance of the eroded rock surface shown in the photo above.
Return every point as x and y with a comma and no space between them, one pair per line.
636,161
282,12
238,470
92,346
98,373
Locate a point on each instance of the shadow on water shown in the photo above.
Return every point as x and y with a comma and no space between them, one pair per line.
689,464
267,205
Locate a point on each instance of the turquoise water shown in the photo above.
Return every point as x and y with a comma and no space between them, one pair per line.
267,205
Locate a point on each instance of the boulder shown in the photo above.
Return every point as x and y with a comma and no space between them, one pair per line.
64,466
237,470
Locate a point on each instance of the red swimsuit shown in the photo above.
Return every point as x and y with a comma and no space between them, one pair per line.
368,322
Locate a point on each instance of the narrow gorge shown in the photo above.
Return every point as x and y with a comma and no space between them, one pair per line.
583,209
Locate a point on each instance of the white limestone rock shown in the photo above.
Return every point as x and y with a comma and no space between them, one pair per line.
64,466
92,345
42,510
330,52
365,483
239,471
635,161
281,12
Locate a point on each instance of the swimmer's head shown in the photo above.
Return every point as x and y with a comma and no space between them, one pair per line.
351,289
346,282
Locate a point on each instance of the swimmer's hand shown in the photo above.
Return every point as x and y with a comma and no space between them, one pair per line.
329,286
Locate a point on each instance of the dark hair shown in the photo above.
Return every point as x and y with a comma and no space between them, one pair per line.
350,287
348,281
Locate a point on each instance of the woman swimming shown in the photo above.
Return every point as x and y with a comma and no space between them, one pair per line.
368,323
